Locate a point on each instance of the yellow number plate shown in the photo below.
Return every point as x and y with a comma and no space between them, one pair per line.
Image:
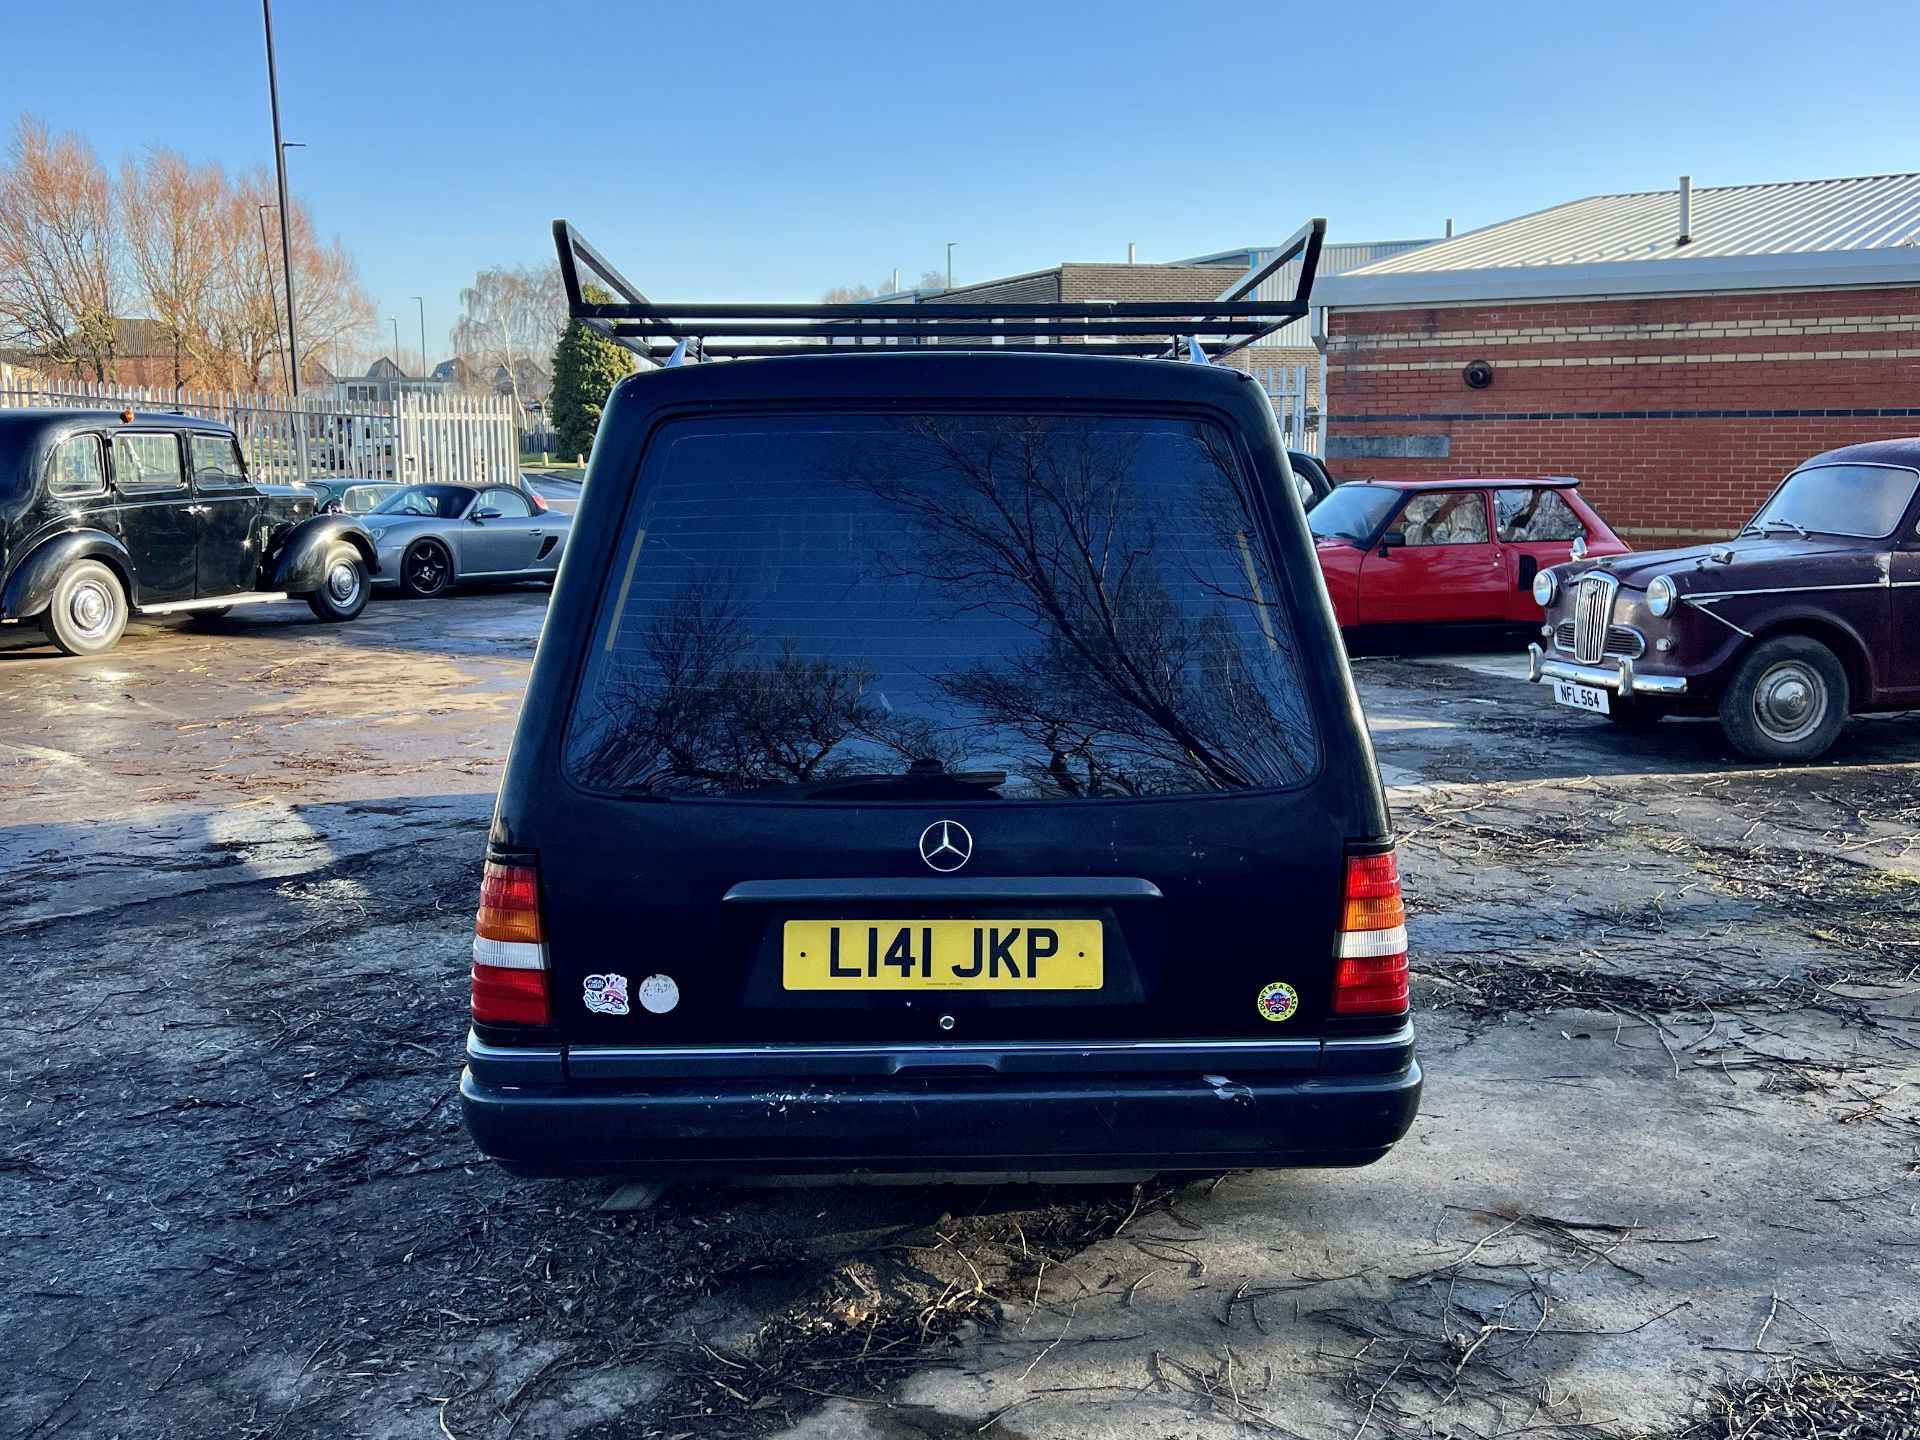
941,955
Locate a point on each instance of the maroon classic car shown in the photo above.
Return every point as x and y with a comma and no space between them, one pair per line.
1811,613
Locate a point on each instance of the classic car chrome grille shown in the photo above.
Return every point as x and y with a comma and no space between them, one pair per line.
1621,640
1592,609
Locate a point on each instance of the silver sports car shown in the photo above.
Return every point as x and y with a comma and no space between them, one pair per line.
433,536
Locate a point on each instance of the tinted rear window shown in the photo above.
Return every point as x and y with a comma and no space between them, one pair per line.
1045,607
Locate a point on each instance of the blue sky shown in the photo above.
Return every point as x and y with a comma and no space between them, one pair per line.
768,151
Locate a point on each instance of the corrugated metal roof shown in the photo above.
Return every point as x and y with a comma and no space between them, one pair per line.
1743,237
1334,256
1797,218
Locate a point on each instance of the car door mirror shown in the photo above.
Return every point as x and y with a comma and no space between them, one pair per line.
1392,540
487,514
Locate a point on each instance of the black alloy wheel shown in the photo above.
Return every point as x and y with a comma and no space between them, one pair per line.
426,570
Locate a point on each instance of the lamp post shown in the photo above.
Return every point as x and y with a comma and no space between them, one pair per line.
280,173
423,335
394,320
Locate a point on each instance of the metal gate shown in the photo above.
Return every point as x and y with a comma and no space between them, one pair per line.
463,439
1286,387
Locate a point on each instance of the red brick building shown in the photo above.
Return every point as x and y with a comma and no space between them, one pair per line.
1679,351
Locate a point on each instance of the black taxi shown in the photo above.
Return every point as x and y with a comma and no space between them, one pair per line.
104,515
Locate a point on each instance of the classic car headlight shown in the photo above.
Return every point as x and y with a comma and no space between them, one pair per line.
1661,594
1545,587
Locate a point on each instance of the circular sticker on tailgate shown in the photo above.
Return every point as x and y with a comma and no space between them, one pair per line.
1278,1001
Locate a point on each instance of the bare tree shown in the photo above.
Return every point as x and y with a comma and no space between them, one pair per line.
173,211
248,318
509,318
848,294
60,285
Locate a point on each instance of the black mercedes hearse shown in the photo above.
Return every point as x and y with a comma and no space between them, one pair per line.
104,515
939,758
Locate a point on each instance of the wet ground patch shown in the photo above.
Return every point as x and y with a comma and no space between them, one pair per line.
1668,1018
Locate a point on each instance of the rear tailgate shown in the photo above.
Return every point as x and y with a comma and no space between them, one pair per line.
1073,627
1199,907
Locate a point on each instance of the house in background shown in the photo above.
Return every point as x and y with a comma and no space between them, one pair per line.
143,354
385,380
1679,350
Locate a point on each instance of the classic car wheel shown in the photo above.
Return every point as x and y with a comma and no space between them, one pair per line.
1787,701
88,611
343,585
426,570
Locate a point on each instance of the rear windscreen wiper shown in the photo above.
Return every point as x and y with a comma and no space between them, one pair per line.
933,783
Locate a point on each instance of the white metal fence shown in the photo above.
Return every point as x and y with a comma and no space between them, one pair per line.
1286,387
461,438
447,438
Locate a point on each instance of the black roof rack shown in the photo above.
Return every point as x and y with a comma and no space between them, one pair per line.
681,332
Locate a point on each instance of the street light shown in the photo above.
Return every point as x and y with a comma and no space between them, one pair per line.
280,172
394,320
423,334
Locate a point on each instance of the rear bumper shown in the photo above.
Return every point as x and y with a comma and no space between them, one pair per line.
1211,1120
1618,675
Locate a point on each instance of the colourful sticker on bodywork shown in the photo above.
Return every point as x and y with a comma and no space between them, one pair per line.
1278,1001
606,994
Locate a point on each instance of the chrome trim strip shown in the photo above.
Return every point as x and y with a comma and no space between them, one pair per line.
1359,1054
1705,607
1624,679
515,1064
936,887
1710,595
245,597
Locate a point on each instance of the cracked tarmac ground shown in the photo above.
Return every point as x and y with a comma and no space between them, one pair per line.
1664,1182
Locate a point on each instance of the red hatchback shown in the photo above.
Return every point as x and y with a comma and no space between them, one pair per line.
1398,552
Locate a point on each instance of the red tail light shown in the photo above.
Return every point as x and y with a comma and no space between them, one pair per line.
509,949
539,500
1370,973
